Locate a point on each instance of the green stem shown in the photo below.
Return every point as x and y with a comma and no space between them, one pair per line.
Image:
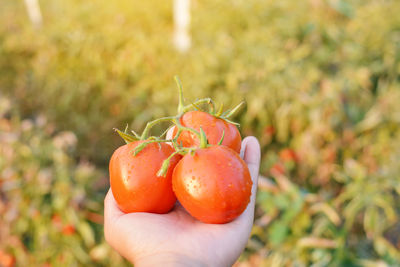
219,112
183,128
231,122
234,110
165,165
141,146
199,102
150,124
165,132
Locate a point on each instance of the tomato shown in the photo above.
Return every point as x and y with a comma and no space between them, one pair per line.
213,128
134,181
213,185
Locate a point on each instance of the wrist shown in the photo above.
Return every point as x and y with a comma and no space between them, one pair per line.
168,260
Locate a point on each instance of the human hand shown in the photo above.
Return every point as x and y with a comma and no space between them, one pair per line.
176,238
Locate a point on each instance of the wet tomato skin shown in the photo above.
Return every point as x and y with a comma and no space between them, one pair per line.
213,185
134,181
213,128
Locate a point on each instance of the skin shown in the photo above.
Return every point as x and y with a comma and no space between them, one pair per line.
213,185
213,128
135,183
176,238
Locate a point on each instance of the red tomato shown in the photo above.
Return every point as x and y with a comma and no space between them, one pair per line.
134,181
213,185
213,128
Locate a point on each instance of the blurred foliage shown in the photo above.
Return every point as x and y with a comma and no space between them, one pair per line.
50,204
322,85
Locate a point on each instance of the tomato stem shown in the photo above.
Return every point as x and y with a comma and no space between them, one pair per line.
233,111
198,102
150,124
229,121
219,112
183,128
164,167
136,135
179,150
141,146
165,132
180,128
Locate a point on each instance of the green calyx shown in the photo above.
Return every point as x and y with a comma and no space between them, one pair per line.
128,138
220,114
203,139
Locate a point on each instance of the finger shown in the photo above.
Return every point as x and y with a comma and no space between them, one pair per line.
111,210
115,235
252,159
170,133
243,148
251,155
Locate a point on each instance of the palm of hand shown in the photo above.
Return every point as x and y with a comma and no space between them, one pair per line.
176,237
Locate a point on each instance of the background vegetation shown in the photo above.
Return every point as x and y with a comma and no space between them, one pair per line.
322,83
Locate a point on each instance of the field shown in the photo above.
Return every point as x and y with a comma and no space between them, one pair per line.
321,81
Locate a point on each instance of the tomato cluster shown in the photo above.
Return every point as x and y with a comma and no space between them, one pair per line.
200,166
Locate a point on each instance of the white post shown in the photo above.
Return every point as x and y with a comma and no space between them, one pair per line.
182,21
34,12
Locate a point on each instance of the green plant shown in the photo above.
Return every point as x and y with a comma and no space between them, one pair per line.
50,212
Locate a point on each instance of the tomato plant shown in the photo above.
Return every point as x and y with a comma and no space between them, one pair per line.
134,181
213,184
211,181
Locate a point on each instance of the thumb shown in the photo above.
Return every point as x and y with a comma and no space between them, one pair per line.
251,155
